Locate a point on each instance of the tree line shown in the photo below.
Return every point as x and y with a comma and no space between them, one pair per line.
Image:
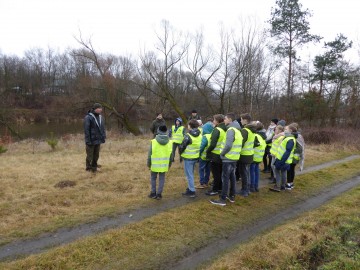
249,69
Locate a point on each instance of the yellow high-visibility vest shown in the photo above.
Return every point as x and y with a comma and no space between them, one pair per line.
282,149
220,143
178,135
234,153
259,151
203,154
248,148
275,145
192,151
160,156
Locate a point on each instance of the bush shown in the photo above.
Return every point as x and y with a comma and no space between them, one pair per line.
52,141
2,149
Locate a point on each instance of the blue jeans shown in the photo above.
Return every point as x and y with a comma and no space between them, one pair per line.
245,176
189,167
153,177
228,175
254,175
204,171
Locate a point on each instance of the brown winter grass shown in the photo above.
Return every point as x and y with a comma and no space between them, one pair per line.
158,241
31,204
327,236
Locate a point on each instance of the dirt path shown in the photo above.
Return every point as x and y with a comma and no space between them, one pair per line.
67,235
212,250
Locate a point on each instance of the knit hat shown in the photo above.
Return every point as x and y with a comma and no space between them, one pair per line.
96,106
162,130
282,123
275,121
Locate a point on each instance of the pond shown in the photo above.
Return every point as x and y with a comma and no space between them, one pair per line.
43,130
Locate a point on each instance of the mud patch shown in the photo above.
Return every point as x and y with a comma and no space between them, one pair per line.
65,183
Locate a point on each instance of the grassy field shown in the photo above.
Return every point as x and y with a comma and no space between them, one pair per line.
31,202
158,240
326,238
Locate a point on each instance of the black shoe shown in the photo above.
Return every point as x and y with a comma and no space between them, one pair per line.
231,198
256,189
189,193
152,195
282,188
218,202
289,186
211,193
158,196
275,188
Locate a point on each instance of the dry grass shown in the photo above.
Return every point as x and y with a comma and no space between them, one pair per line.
168,236
30,202
302,243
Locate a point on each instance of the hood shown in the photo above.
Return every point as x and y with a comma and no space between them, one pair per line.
262,133
194,132
178,119
234,124
162,139
93,112
252,127
222,126
207,128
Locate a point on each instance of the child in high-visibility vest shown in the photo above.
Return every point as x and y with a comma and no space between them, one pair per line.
259,151
276,140
176,134
204,162
284,156
159,161
299,157
190,152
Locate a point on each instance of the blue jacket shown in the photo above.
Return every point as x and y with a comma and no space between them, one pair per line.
207,129
94,129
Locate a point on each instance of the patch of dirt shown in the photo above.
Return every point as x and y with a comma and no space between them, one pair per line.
65,183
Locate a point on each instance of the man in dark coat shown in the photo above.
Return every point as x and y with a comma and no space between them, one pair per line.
159,121
95,135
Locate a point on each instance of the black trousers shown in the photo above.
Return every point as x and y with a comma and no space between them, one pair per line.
291,173
216,170
92,156
174,146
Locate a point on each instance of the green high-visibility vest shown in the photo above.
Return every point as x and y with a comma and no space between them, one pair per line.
248,148
275,145
192,151
203,154
178,135
160,156
220,143
259,151
234,153
282,149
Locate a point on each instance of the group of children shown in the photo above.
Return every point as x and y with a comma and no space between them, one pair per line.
231,149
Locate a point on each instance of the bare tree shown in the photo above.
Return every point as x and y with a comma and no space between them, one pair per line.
157,69
104,65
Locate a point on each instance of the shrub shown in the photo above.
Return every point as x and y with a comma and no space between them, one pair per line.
2,149
52,141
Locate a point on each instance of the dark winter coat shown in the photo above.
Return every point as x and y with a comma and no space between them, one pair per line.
156,124
94,128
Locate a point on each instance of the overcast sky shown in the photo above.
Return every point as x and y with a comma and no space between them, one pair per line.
123,27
